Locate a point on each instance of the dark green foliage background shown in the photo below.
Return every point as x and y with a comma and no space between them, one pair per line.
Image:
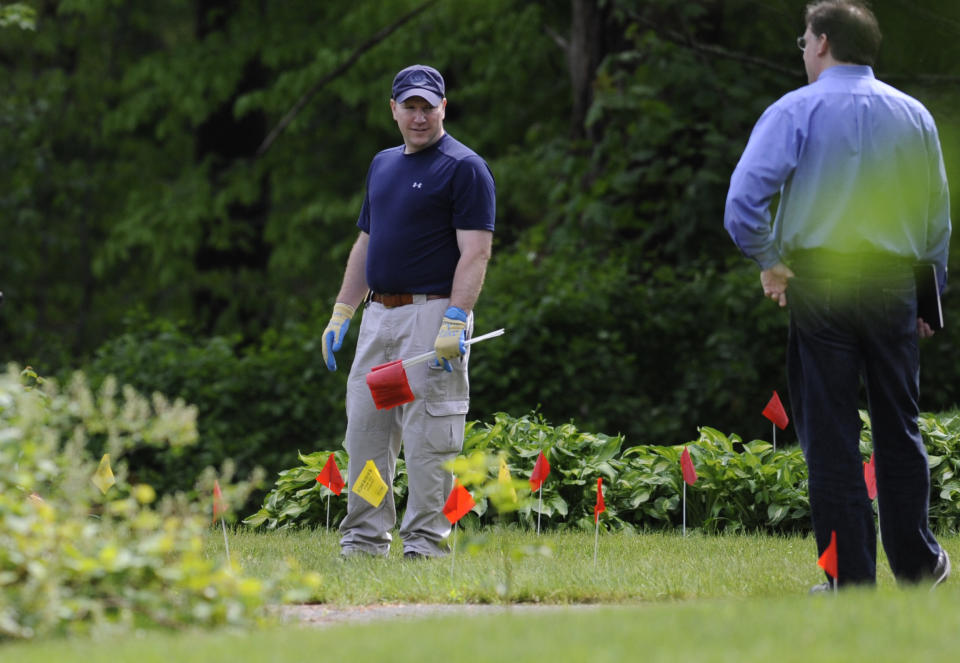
146,237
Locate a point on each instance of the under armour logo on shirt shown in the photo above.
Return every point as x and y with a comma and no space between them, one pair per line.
418,185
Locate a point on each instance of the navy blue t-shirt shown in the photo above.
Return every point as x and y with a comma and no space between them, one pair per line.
414,205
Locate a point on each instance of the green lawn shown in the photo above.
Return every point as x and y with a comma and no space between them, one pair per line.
647,567
664,597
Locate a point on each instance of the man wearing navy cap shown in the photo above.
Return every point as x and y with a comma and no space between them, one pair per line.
426,231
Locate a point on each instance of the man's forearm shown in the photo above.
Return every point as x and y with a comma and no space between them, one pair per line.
354,287
471,269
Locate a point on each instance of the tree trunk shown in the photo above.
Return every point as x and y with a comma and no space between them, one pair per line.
584,55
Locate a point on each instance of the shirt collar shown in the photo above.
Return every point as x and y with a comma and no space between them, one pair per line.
847,71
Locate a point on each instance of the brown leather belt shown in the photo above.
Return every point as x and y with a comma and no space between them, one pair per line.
394,300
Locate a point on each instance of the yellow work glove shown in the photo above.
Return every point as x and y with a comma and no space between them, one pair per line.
451,339
335,331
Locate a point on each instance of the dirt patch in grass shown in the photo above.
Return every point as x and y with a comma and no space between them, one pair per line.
327,615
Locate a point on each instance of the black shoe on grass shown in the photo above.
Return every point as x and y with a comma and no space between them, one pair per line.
822,588
941,571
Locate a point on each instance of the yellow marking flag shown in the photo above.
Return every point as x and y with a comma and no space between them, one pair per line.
369,485
103,477
506,481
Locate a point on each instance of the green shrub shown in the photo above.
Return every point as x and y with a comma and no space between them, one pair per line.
256,405
741,486
299,499
74,559
637,349
941,437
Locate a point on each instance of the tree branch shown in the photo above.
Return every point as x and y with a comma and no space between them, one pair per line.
557,38
682,40
793,72
338,71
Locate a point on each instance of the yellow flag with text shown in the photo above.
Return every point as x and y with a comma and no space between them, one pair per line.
103,477
369,485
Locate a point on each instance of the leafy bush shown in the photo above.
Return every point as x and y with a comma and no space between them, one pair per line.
753,489
255,405
617,349
75,559
298,498
941,437
740,486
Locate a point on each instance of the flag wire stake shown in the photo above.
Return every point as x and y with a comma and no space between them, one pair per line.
225,544
453,554
774,436
596,540
684,507
539,508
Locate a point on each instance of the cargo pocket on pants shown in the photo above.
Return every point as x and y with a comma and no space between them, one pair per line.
444,425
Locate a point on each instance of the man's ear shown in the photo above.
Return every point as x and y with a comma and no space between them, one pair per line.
823,45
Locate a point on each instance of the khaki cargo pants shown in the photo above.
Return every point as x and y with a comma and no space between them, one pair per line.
430,430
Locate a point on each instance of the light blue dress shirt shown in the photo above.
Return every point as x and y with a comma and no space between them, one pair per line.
858,167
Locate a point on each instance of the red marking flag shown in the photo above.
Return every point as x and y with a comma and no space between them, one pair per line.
600,506
541,470
870,478
389,386
828,560
330,476
686,464
219,506
774,412
458,503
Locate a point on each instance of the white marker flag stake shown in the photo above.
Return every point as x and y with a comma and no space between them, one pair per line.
833,581
453,554
684,507
774,437
225,544
432,354
596,540
328,512
539,508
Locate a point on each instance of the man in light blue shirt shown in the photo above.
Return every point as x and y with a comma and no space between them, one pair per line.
863,198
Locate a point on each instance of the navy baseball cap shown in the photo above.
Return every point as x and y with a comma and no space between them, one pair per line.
419,81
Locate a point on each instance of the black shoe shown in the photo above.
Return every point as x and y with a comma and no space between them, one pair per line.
941,571
413,554
822,588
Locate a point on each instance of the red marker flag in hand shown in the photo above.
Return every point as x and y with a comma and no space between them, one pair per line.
686,464
458,503
600,506
541,470
219,507
828,560
330,476
870,478
774,412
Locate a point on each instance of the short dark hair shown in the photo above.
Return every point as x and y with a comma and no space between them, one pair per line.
850,26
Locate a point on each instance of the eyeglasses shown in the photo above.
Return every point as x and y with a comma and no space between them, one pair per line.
802,43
